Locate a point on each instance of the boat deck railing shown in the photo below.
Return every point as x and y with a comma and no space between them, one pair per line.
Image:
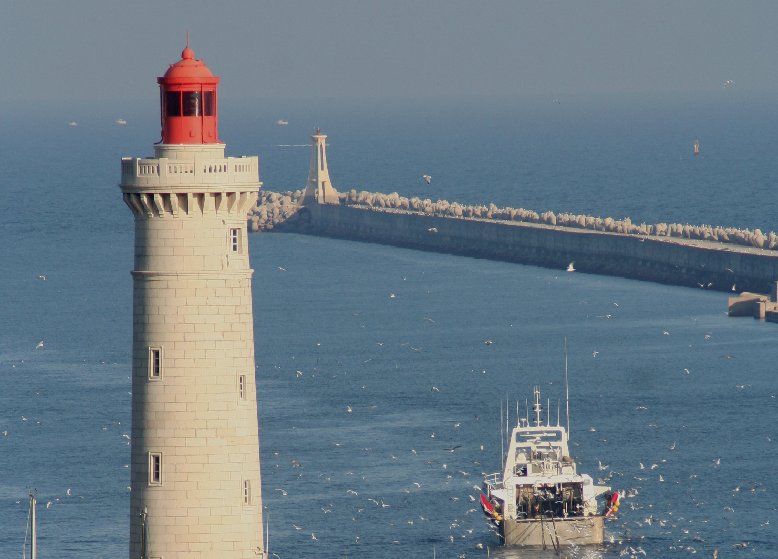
493,481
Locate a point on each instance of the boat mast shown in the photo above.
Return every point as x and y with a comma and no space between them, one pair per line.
34,534
502,439
33,530
548,412
507,422
567,393
537,408
526,410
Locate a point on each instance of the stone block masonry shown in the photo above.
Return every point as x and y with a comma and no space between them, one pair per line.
670,260
195,465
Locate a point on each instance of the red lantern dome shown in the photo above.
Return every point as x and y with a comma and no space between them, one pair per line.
188,102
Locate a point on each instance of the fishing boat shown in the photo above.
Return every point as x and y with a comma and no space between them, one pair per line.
696,147
539,499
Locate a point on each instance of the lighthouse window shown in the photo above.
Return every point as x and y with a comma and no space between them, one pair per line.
155,468
155,363
208,103
242,386
173,103
192,103
234,240
246,492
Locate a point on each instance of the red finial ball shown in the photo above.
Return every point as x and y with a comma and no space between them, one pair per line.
187,54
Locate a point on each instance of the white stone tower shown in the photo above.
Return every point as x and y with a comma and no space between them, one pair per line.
195,449
319,189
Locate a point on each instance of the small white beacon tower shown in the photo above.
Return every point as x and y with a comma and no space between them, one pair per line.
319,189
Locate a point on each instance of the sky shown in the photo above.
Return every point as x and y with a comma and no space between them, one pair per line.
56,50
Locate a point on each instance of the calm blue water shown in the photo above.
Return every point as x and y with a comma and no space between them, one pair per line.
330,316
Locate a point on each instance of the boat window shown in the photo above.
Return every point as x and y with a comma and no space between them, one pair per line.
192,103
208,103
173,103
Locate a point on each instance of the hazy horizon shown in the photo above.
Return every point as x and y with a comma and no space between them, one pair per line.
105,50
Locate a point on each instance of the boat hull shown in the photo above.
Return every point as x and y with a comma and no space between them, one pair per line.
589,530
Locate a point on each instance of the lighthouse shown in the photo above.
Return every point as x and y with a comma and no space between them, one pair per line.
318,188
195,479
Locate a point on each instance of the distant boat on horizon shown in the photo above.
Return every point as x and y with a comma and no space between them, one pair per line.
72,123
120,121
282,122
696,147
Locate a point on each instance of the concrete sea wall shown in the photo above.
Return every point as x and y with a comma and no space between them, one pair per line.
724,266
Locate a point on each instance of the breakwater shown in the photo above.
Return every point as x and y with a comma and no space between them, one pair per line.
720,258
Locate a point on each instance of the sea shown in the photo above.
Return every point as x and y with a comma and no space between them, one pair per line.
383,373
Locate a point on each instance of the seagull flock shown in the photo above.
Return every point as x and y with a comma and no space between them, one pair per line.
399,480
330,479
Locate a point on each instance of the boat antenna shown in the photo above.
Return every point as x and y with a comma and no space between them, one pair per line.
567,393
548,412
507,422
557,412
526,404
518,417
502,440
